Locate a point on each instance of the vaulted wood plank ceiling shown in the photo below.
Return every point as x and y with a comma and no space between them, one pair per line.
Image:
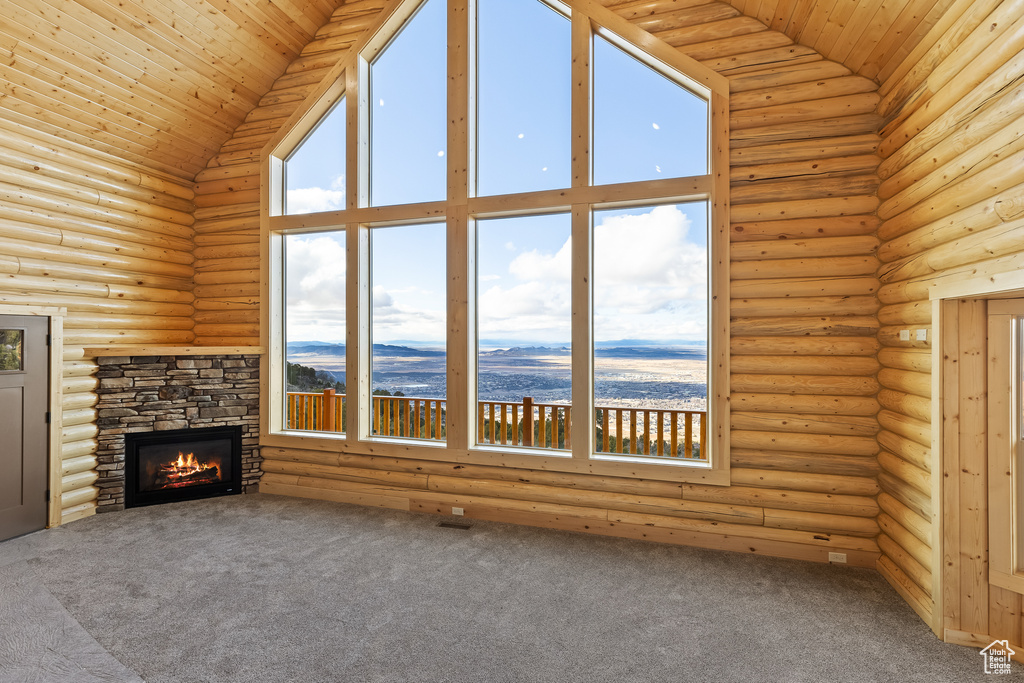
159,82
870,37
162,83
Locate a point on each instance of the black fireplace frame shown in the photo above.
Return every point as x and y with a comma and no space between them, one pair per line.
133,497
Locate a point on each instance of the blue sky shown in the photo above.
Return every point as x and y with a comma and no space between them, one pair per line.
650,264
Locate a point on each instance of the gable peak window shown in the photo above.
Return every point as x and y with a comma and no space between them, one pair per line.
520,203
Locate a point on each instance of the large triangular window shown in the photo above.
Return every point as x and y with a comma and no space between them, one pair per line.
492,236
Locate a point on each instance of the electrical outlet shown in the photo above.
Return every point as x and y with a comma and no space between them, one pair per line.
459,512
904,335
837,557
922,335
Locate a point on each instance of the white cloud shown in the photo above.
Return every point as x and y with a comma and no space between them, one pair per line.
650,280
536,310
537,306
314,199
395,319
381,299
315,288
535,265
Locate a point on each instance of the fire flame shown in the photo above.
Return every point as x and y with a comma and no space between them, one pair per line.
187,465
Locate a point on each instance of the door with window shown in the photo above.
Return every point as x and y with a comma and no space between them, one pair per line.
24,382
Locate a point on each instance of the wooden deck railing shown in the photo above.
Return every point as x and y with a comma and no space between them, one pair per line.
539,425
646,432
652,432
408,416
323,412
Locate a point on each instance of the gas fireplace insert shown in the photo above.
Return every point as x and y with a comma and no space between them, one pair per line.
182,464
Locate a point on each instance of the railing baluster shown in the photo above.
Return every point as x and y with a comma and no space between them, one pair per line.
516,441
674,433
504,423
661,433
568,427
703,437
527,421
496,423
688,435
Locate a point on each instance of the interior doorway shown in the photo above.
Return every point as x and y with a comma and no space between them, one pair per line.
24,445
974,539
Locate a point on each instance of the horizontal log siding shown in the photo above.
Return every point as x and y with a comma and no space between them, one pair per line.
107,239
804,316
78,440
950,168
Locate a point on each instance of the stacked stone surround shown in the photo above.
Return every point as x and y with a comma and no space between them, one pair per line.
159,393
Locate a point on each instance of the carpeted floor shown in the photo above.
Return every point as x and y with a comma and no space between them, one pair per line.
265,588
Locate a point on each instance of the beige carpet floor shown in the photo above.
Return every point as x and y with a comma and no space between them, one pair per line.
266,588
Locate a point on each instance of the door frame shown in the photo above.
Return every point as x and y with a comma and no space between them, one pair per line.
947,560
55,398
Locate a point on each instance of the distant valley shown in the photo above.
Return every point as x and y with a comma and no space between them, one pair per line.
656,376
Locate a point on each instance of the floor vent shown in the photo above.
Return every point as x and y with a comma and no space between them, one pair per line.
455,525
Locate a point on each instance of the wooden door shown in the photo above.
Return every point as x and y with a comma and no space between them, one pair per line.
24,382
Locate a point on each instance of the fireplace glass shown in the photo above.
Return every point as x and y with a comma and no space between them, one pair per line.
184,464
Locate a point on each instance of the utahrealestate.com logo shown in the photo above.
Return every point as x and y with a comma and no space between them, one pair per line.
997,657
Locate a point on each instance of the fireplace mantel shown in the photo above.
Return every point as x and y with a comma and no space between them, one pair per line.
115,350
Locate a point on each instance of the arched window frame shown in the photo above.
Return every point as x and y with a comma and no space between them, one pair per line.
346,79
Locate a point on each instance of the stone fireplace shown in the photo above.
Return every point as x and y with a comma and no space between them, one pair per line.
143,394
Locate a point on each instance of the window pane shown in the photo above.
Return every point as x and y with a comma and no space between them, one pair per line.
651,330
646,126
408,126
315,331
524,316
408,367
523,97
314,174
11,349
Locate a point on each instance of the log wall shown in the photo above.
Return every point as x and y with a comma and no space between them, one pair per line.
952,175
804,340
110,241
